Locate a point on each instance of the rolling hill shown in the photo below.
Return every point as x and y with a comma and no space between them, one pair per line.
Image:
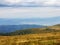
11,28
35,36
49,29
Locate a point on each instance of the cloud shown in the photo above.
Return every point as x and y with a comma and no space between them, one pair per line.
27,12
52,3
30,2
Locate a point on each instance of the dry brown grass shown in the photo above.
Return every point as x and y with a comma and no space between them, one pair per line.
32,39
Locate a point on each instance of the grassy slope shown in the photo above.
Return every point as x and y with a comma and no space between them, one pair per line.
49,38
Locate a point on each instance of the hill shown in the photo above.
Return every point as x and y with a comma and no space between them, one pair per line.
35,36
11,28
49,29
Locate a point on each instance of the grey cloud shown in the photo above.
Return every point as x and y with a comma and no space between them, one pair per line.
31,3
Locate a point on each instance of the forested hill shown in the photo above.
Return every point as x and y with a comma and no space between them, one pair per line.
49,29
12,28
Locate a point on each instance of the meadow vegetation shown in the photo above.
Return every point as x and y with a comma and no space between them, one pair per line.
36,36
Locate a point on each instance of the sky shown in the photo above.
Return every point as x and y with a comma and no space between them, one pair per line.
29,12
25,9
33,9
31,2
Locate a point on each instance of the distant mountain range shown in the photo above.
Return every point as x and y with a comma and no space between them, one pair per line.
37,21
9,25
31,29
11,28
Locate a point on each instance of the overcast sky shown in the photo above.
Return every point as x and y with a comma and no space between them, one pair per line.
31,2
29,12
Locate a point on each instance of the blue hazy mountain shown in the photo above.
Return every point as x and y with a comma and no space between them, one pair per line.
37,21
9,25
11,28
